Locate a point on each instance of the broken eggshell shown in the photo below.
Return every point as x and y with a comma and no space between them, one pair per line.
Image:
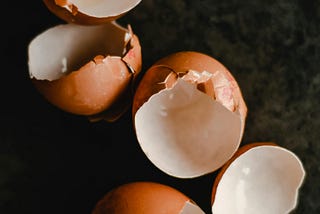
144,197
260,178
189,114
92,12
86,70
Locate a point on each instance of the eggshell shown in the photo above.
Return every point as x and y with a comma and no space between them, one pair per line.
260,178
86,70
91,12
189,114
145,197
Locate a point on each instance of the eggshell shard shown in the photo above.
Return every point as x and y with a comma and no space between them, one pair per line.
260,178
145,198
91,12
85,70
189,114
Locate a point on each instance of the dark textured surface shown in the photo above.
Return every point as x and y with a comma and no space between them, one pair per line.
54,162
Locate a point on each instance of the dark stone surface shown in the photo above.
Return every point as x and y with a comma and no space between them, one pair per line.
54,162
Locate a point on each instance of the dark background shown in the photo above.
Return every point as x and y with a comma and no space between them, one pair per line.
55,162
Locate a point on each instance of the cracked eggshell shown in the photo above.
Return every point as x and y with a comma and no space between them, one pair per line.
144,197
260,178
86,70
189,114
91,12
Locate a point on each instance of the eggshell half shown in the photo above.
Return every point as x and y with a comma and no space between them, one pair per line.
260,178
91,12
145,198
85,70
189,114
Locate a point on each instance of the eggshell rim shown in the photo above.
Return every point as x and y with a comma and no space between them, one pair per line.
82,18
242,150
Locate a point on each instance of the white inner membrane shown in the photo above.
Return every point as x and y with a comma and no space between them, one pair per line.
104,8
185,133
65,48
263,180
191,208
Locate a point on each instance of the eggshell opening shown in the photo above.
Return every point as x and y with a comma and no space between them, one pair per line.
84,69
67,47
191,134
264,179
189,114
145,197
90,12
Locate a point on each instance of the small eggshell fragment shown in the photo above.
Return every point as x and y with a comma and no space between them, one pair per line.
145,197
260,178
189,114
91,12
84,70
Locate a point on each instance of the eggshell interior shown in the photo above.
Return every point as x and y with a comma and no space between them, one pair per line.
104,8
191,208
189,114
66,47
264,179
91,12
145,198
186,133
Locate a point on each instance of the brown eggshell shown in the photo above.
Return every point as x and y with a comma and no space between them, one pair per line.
181,63
188,114
145,198
261,178
90,12
89,75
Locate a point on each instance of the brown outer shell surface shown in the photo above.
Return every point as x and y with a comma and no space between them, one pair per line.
141,198
78,17
96,85
180,63
123,101
83,92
